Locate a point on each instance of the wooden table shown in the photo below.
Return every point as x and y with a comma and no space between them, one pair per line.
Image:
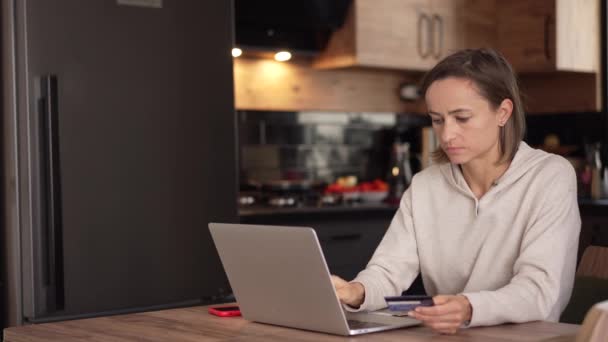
195,324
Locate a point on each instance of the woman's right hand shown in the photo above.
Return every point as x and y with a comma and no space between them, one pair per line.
351,294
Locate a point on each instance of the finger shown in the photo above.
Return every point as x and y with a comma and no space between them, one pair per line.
345,295
451,318
342,295
337,281
455,317
449,304
441,309
441,299
434,320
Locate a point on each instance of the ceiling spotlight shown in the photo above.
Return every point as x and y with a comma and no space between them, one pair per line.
236,52
282,56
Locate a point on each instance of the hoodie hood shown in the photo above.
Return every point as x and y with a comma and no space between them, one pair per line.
525,159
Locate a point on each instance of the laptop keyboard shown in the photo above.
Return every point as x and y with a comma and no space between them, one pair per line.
356,325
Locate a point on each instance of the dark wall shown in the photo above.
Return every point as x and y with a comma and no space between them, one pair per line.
572,128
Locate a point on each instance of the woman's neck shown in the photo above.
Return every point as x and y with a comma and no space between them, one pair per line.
481,175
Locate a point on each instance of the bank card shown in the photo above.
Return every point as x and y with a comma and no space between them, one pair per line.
407,303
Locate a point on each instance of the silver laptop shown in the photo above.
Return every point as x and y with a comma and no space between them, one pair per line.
279,276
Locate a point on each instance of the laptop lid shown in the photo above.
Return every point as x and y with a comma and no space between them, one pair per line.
279,276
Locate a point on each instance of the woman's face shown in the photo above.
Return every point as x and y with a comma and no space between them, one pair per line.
464,122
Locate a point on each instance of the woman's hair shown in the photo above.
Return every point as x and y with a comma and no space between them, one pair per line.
495,80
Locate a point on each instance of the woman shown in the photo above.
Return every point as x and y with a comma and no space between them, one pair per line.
492,225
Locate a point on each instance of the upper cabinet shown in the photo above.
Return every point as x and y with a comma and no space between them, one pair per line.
397,34
550,35
406,31
538,35
448,27
407,34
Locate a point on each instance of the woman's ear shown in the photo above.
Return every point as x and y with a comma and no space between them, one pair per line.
504,112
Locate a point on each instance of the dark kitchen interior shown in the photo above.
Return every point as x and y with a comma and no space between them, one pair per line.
301,26
147,151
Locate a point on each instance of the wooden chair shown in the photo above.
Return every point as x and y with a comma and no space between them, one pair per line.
594,263
590,284
595,325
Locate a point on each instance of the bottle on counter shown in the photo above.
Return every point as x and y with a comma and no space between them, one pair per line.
599,175
400,172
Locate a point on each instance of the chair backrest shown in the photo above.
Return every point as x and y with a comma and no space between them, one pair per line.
595,325
594,263
590,285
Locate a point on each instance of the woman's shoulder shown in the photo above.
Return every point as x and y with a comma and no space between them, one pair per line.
548,168
553,164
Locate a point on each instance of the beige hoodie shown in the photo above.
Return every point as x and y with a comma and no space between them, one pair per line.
512,253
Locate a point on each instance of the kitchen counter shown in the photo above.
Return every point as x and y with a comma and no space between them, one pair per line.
587,206
343,208
593,202
594,227
591,207
195,324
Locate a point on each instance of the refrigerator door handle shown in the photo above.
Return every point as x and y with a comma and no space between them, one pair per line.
53,235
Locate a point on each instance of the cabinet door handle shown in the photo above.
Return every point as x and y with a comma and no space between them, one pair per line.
547,32
437,24
419,41
423,19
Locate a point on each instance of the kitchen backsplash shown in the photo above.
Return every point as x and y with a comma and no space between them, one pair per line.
322,146
319,146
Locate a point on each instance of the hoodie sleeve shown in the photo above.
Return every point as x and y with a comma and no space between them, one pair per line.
394,265
544,270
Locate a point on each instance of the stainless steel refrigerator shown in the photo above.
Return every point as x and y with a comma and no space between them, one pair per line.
119,146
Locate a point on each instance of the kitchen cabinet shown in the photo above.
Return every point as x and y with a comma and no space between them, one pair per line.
540,35
550,35
404,34
448,28
405,30
554,47
594,224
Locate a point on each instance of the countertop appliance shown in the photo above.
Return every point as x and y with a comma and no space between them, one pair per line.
119,148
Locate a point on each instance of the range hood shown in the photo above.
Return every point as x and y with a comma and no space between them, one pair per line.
301,26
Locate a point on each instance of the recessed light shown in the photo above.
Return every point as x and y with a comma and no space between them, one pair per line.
236,52
282,56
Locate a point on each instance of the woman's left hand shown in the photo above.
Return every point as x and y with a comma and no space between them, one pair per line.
447,315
